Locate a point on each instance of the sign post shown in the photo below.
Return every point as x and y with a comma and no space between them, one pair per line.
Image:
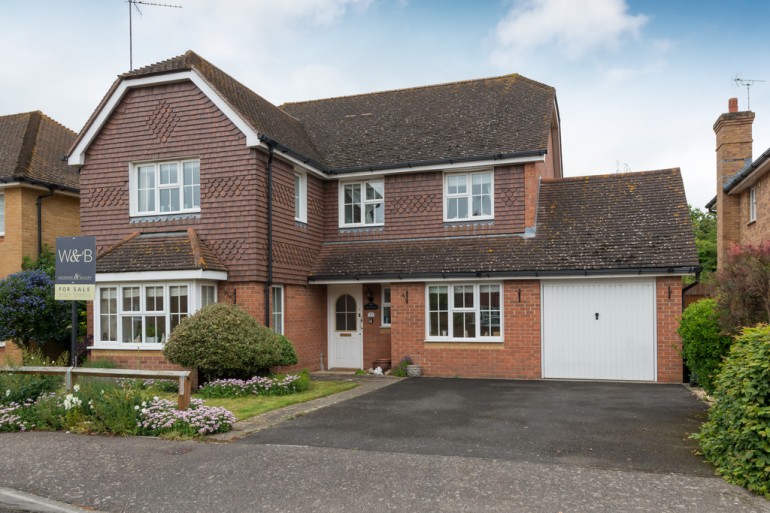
75,278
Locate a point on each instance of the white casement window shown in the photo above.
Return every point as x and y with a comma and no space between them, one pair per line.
300,197
468,196
385,306
139,314
278,309
2,214
464,312
362,203
165,187
752,204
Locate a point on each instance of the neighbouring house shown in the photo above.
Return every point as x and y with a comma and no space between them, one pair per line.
433,222
38,190
742,202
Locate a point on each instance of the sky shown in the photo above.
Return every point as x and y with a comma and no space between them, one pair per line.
639,83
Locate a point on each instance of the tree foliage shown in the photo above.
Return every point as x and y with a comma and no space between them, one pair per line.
743,287
28,310
705,226
45,262
223,341
703,344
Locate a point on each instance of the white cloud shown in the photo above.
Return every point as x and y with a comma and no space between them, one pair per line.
573,28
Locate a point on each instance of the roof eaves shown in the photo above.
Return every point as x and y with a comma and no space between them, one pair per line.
747,170
40,183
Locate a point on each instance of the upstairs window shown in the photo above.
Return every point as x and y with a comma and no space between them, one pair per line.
300,197
362,203
752,204
165,187
468,196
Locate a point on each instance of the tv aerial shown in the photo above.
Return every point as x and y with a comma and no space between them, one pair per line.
134,4
747,83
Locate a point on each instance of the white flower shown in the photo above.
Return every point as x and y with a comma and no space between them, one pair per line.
76,388
136,407
7,392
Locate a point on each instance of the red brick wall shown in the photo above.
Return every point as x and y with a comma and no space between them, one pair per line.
517,357
668,292
414,208
305,324
758,231
140,360
376,338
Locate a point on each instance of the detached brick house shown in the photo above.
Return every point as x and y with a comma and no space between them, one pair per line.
432,222
38,190
742,202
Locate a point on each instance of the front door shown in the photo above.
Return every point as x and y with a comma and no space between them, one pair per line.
345,328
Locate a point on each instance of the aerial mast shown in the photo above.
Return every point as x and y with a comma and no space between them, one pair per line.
134,4
747,83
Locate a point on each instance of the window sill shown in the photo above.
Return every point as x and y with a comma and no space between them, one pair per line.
154,218
489,340
361,227
127,347
474,220
2,345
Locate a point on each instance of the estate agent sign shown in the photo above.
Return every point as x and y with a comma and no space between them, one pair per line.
75,268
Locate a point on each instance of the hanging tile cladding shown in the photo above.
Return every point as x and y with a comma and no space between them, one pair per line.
232,217
295,245
414,207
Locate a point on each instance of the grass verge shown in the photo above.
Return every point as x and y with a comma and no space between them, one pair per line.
250,406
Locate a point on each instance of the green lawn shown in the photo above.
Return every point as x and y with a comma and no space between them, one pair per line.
246,407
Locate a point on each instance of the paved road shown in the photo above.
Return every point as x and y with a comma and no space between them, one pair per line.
621,426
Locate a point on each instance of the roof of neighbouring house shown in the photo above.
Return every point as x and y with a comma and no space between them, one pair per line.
172,251
485,119
620,223
32,147
751,171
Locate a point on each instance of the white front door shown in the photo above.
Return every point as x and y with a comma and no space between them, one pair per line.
345,328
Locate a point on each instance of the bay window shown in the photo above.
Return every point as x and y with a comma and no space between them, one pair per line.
464,312
145,313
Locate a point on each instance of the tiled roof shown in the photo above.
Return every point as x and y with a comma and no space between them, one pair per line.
31,149
476,119
472,119
174,251
263,116
596,224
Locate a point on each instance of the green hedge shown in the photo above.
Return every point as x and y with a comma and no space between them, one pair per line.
736,438
703,344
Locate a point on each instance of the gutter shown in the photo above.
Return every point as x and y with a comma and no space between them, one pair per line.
39,204
559,273
39,183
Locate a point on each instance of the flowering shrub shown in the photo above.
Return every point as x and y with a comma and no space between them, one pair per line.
10,420
160,416
28,310
258,385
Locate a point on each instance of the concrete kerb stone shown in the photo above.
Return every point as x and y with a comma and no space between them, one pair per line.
16,501
273,418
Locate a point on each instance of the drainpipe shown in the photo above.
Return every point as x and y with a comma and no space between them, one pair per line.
269,282
39,204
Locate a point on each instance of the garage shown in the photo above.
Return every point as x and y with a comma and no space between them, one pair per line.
599,329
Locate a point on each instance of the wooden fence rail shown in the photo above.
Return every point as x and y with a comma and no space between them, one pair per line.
72,373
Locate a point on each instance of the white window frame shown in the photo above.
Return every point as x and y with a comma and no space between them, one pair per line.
752,204
363,202
449,337
468,195
386,305
300,196
194,296
2,214
180,185
277,317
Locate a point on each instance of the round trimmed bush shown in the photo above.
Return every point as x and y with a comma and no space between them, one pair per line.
703,344
736,438
223,341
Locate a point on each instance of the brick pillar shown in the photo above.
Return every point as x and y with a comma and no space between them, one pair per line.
734,149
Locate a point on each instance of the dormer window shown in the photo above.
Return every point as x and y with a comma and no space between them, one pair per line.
468,196
362,203
170,187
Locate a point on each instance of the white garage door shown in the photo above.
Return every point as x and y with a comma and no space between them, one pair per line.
602,329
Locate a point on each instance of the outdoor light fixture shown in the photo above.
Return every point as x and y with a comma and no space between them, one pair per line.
370,297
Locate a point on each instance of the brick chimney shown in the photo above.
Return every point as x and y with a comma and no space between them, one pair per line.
734,150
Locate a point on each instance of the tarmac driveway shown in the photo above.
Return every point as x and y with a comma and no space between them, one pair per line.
620,426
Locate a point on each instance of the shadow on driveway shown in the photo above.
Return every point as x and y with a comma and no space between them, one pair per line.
623,426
